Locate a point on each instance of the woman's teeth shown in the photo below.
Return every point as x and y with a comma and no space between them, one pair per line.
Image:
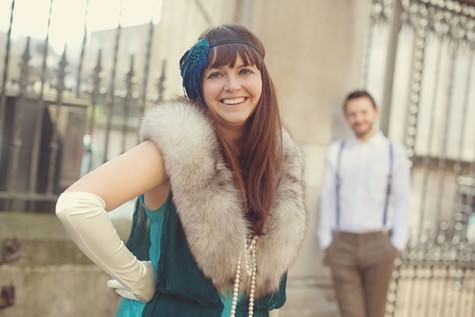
233,101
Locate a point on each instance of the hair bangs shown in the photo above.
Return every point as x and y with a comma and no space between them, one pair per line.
223,55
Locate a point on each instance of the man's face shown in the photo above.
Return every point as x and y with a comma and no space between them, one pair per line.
361,116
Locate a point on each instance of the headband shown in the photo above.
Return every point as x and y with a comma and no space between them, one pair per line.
230,41
195,60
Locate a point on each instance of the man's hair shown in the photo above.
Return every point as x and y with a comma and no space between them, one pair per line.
358,94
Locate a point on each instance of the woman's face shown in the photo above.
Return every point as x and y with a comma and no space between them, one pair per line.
232,93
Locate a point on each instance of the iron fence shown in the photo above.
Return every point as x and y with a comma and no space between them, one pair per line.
435,278
425,83
58,119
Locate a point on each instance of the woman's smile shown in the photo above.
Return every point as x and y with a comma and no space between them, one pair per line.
233,101
232,93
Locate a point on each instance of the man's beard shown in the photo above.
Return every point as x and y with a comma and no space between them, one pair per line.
364,132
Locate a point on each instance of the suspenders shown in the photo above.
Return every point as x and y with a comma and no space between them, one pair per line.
338,183
388,185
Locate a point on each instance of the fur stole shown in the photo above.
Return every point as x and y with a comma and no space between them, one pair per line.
209,204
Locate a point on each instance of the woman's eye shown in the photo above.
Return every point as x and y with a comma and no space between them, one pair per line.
245,71
214,75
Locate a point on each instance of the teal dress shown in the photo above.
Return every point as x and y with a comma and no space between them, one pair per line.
132,308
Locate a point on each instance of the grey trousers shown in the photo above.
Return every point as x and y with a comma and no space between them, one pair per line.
361,268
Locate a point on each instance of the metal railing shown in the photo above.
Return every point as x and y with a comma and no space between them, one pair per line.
57,121
426,82
436,278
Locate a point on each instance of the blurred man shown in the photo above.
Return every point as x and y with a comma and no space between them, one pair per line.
363,210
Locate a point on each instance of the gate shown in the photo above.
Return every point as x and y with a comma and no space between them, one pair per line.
419,64
60,116
65,111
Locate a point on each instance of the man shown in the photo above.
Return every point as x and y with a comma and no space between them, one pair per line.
363,210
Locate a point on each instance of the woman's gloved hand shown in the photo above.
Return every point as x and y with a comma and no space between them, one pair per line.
84,217
122,290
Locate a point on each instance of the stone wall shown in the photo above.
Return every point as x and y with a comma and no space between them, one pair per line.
51,277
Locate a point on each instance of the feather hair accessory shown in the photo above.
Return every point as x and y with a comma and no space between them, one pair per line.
192,65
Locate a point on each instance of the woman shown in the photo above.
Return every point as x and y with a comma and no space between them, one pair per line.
220,214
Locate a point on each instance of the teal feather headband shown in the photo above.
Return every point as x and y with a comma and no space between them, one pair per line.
195,61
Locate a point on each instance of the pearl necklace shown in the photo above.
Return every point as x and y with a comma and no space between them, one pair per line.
251,269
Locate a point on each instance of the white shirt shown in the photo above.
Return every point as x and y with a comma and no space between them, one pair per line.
364,170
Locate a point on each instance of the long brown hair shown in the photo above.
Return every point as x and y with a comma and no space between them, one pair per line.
256,164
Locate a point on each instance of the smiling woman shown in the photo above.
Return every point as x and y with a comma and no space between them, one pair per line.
219,187
232,92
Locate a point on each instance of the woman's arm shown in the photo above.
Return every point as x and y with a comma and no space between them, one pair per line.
137,171
82,210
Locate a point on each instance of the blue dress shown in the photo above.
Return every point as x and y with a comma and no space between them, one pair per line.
132,308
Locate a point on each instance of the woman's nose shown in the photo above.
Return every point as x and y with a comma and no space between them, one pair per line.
232,83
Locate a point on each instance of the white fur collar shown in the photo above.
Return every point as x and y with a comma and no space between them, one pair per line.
209,205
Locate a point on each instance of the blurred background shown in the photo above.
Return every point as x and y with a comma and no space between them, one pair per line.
77,76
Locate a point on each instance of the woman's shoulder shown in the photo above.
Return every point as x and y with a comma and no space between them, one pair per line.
185,138
178,113
178,126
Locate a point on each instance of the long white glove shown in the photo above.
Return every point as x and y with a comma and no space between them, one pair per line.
121,289
85,219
